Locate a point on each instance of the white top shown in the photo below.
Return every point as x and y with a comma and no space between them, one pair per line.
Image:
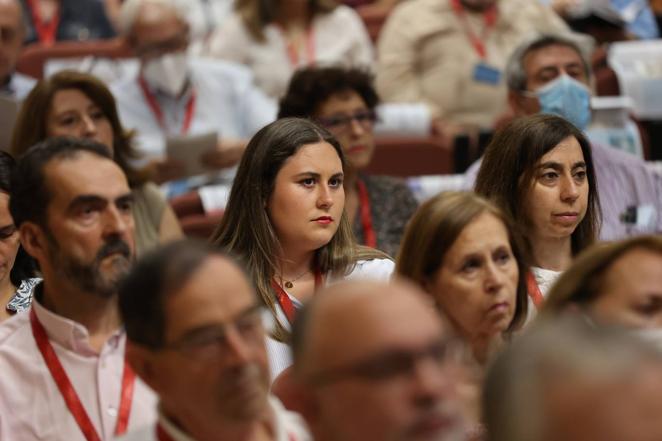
545,279
226,103
19,86
339,37
280,354
288,426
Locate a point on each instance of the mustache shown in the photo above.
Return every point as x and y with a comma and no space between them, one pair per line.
116,246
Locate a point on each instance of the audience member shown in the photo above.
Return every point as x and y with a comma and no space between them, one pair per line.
383,371
12,32
549,74
343,101
64,371
49,21
450,54
275,38
209,366
285,221
173,95
79,105
17,268
540,171
460,249
616,283
572,382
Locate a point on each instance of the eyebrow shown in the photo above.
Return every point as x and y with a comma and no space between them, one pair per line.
95,199
202,329
316,175
559,167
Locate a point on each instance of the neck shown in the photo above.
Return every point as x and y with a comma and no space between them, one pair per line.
214,429
350,178
293,14
99,315
552,254
293,263
483,345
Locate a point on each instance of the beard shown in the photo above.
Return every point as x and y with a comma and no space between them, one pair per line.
89,276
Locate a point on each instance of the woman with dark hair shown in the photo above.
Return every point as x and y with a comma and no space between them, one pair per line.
79,105
539,170
460,249
285,221
17,268
343,101
275,37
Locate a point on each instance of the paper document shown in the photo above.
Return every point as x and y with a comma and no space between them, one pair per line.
189,150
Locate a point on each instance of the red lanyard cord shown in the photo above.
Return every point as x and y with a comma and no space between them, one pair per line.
46,31
284,299
369,237
489,17
158,114
533,290
68,392
293,53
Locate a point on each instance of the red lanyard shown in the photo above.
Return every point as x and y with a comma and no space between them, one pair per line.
489,18
284,299
68,392
162,435
46,32
369,237
293,53
534,290
158,114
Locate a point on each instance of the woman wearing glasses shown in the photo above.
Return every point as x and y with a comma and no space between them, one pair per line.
285,222
343,101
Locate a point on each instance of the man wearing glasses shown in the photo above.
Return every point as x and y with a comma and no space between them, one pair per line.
195,335
374,362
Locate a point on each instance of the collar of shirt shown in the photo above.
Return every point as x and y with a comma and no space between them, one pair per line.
70,334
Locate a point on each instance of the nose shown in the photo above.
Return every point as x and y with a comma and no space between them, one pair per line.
117,222
236,346
569,190
324,197
356,128
89,127
429,380
493,278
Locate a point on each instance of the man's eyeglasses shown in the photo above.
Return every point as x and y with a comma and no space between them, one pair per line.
391,364
210,342
154,50
343,123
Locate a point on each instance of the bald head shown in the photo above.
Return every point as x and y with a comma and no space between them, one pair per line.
373,362
12,33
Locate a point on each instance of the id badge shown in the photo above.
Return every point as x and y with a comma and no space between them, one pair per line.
484,73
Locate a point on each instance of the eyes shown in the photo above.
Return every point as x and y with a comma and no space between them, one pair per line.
73,119
310,182
89,211
551,177
472,264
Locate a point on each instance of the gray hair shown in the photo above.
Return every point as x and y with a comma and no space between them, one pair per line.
569,350
130,11
515,73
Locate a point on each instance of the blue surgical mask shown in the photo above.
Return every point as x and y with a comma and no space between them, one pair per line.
568,98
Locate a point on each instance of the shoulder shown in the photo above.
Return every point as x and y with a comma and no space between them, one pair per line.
342,14
218,71
13,331
372,269
149,192
385,183
289,425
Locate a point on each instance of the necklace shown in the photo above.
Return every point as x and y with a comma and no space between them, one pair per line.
289,284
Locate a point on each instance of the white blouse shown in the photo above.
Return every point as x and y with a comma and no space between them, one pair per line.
338,37
280,354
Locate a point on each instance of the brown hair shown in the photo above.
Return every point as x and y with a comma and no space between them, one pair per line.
257,14
509,165
434,228
583,282
31,124
246,231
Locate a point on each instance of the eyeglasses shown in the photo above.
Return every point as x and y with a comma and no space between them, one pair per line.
343,123
391,364
154,50
211,342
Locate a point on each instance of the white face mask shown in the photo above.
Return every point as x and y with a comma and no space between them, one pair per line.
168,73
650,335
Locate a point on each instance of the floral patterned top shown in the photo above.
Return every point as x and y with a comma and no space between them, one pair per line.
23,297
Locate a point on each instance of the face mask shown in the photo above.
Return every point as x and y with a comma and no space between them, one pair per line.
168,72
650,335
568,98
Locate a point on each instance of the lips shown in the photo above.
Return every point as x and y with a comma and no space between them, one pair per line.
500,307
569,217
323,220
357,148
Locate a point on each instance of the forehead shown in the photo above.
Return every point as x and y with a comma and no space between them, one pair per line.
216,293
84,174
341,102
356,329
10,14
484,231
157,23
639,267
567,151
320,156
550,56
66,99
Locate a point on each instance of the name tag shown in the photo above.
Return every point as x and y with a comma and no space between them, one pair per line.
484,73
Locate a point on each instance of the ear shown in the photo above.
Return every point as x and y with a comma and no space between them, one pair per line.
515,102
141,361
295,395
34,240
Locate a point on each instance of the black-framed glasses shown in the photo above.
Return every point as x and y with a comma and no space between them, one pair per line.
211,341
393,363
342,123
